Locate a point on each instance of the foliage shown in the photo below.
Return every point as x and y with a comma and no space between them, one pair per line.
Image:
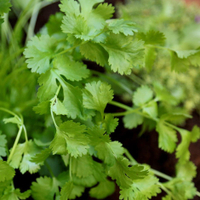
53,105
155,16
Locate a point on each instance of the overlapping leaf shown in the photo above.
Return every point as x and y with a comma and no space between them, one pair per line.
44,188
124,53
39,53
6,171
70,137
125,175
167,137
97,95
22,156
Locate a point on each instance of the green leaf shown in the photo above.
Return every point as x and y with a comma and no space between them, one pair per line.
3,142
102,190
195,133
71,191
17,156
108,152
110,123
162,94
178,64
96,96
94,52
182,151
70,7
181,188
23,155
124,53
167,137
150,56
105,10
121,26
152,37
54,23
73,101
186,170
6,171
45,188
39,53
82,166
125,175
70,69
132,120
151,109
58,144
4,6
42,108
84,23
39,158
143,189
59,108
88,181
22,195
87,5
70,137
142,95
181,60
14,120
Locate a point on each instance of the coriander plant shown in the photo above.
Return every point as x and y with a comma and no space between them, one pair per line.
54,121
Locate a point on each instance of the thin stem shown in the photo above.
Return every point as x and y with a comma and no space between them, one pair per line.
25,133
12,113
172,126
157,173
127,113
49,169
53,118
70,168
120,105
157,47
136,79
131,110
15,143
198,194
167,191
51,106
129,156
160,174
66,50
8,111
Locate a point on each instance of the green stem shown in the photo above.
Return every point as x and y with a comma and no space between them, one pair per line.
12,113
172,126
25,134
157,47
15,143
51,106
129,156
160,174
167,191
120,105
136,79
70,168
8,111
198,194
66,50
131,110
49,169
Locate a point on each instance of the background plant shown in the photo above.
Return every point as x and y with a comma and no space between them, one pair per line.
66,139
